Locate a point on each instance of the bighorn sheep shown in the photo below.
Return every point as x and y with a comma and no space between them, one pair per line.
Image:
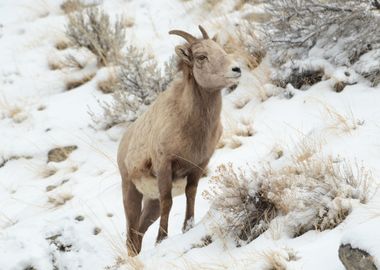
164,152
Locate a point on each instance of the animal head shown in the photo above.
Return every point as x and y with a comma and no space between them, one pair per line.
212,68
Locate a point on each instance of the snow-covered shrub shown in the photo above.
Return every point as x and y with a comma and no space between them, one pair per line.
313,194
139,81
344,32
91,28
237,196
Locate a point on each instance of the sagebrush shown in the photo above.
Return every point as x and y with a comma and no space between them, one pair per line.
316,193
92,28
139,81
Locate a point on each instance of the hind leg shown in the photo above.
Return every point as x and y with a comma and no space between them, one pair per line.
150,214
132,199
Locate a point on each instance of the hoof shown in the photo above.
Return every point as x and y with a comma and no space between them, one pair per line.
189,224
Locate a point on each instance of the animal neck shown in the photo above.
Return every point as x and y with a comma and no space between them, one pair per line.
202,106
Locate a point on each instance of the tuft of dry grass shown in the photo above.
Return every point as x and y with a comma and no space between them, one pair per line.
241,103
60,154
109,84
69,6
14,111
234,143
204,242
274,260
277,152
126,261
306,148
62,45
47,172
60,199
73,83
345,122
69,61
55,64
245,131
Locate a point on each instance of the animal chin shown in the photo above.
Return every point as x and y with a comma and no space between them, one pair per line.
234,81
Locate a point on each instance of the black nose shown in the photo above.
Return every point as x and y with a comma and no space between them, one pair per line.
236,69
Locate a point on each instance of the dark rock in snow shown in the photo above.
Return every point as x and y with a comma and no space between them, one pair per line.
355,258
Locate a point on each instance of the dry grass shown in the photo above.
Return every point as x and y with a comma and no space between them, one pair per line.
109,84
68,61
221,144
277,152
69,6
306,148
241,103
209,5
245,131
47,172
73,83
234,143
128,262
55,64
277,259
74,62
62,44
60,199
15,110
60,154
345,122
273,260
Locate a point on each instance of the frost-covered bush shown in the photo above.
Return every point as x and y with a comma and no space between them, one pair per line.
139,81
247,212
316,193
343,32
91,28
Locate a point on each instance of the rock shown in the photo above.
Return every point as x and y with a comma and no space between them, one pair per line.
355,258
61,153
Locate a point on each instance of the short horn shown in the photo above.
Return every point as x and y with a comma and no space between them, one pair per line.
189,38
204,33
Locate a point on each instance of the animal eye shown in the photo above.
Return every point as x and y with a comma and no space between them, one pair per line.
202,57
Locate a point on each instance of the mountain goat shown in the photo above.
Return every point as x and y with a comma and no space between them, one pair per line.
164,152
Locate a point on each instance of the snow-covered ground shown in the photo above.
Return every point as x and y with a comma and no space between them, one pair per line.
69,214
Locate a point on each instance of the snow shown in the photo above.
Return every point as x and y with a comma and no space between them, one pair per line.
41,228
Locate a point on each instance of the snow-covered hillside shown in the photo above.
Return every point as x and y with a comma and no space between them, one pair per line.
63,209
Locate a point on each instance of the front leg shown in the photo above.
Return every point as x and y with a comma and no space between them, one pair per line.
165,189
191,192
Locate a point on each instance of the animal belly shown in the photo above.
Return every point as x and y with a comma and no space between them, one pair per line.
148,186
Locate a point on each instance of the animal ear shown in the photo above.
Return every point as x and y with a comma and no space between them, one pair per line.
184,53
216,38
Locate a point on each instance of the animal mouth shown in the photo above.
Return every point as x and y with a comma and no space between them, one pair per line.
234,77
